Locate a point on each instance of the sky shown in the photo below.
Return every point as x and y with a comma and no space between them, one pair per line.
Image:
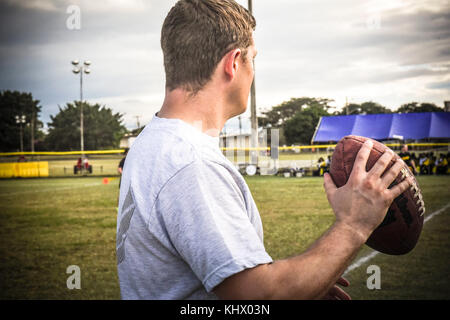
388,51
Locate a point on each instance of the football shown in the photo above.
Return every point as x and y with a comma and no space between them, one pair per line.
400,230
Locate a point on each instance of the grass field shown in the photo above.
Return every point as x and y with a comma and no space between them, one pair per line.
48,224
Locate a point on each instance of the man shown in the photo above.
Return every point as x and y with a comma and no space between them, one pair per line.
188,227
408,158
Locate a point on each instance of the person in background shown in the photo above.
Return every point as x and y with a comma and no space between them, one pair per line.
321,167
328,164
426,163
423,163
122,162
121,165
79,164
442,164
408,158
86,163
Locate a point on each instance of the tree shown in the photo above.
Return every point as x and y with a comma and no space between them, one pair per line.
415,107
301,128
278,115
12,104
368,107
102,128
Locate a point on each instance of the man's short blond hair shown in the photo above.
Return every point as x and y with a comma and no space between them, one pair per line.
196,35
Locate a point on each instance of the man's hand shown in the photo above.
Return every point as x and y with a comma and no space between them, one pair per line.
336,293
364,200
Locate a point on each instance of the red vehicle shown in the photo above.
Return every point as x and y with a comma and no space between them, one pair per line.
82,166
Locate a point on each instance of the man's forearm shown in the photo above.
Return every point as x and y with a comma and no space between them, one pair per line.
311,274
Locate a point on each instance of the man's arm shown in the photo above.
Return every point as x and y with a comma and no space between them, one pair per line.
359,207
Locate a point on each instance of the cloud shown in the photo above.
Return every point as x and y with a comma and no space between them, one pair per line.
338,53
388,51
440,85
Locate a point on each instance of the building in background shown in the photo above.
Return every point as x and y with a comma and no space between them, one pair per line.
127,140
235,140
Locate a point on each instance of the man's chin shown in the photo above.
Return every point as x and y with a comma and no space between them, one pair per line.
239,111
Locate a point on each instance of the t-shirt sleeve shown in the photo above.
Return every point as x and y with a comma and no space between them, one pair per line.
205,216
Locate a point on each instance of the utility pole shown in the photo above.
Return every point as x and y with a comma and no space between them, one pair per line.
137,120
240,125
253,117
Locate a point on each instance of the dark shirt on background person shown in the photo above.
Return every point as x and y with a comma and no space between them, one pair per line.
121,165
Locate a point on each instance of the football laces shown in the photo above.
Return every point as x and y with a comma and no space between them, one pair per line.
414,188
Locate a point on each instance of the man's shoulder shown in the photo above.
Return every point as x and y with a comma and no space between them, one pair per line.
160,154
162,150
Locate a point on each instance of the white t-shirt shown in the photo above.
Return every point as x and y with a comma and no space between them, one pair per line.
187,219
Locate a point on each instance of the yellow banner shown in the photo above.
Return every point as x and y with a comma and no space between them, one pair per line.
24,169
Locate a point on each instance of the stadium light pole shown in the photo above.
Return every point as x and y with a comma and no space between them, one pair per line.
20,120
80,69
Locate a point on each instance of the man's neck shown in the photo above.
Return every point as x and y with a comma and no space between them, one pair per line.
203,111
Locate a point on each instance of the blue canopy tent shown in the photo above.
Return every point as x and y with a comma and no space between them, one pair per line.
414,126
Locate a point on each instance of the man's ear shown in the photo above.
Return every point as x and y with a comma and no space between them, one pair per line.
232,63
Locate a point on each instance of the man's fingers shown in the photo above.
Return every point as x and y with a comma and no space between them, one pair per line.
382,163
343,282
336,293
339,293
401,187
393,172
361,157
328,184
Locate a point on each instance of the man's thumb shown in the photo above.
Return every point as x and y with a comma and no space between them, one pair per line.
328,184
